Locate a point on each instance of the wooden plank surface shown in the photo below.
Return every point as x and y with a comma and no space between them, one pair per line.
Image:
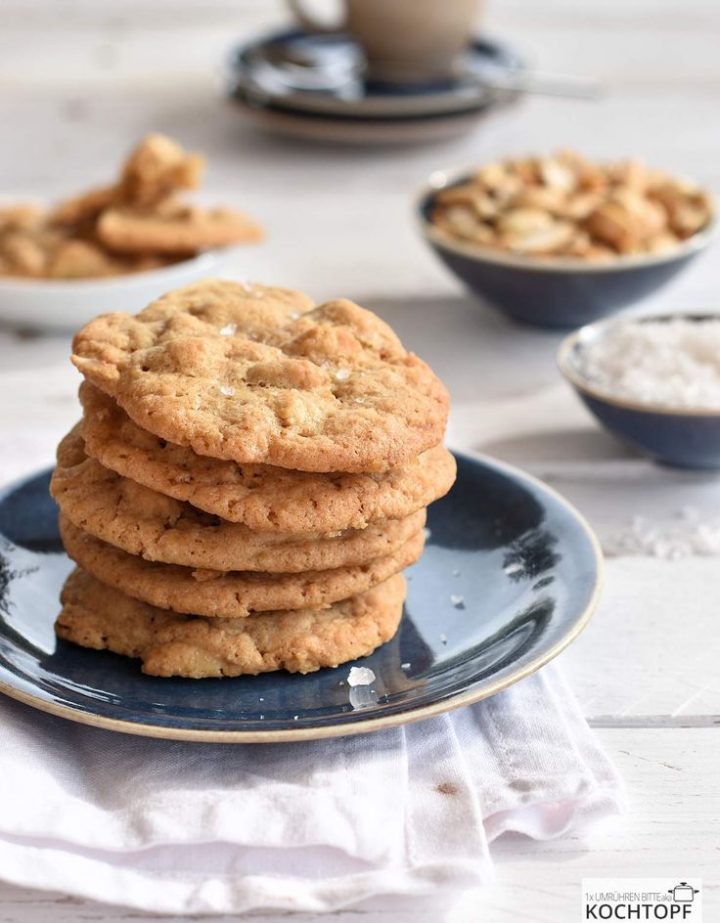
77,88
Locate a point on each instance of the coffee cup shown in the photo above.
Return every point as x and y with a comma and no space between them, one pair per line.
403,40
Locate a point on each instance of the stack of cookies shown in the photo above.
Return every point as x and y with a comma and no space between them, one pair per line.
248,481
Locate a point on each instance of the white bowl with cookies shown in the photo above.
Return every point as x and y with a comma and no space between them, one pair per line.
115,247
62,305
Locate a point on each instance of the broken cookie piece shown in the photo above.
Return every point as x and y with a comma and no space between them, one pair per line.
134,224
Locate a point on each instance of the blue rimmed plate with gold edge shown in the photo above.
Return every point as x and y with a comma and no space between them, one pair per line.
510,576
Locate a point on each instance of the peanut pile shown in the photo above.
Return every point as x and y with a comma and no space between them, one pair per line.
565,206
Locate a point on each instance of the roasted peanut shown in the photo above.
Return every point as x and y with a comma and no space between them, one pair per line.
564,205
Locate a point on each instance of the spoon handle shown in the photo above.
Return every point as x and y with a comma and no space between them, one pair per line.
539,83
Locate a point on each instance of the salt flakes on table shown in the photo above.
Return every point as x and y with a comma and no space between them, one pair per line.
685,536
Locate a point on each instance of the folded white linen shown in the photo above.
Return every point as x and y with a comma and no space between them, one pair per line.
198,828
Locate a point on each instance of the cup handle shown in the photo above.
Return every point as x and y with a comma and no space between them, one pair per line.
309,23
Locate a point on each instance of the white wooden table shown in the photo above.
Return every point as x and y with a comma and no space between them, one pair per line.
78,87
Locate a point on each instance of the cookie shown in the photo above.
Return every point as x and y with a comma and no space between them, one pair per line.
24,216
153,171
146,224
22,254
264,498
158,528
81,259
80,212
229,595
157,168
45,252
182,232
300,641
231,372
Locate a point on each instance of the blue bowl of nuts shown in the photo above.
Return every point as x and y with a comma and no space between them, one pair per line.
654,382
559,241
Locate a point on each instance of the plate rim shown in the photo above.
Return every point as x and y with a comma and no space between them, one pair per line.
370,725
307,127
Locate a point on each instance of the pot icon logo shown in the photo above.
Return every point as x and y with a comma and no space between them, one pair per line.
650,899
683,893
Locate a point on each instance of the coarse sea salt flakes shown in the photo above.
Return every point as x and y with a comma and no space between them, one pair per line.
684,536
227,390
362,697
360,676
228,330
342,374
673,363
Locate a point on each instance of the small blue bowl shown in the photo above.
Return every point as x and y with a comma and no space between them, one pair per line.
679,437
556,293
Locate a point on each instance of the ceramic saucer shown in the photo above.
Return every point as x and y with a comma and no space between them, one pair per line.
315,86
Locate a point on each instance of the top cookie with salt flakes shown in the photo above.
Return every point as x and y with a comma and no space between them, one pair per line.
257,374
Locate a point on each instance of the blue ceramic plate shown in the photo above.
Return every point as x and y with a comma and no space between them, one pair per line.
510,576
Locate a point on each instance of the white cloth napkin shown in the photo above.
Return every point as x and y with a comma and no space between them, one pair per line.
197,828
